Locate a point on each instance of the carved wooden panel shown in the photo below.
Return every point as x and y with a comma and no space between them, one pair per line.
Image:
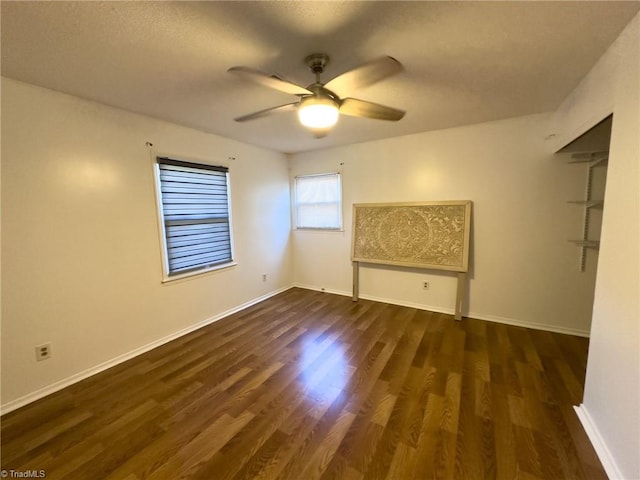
424,234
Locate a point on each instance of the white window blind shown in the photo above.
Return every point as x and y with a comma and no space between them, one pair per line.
195,215
318,201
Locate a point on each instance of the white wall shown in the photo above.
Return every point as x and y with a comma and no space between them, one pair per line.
523,269
80,246
611,407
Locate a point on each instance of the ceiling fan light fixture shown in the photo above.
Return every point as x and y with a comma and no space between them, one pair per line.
318,112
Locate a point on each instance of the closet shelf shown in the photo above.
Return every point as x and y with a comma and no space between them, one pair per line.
595,244
593,159
588,203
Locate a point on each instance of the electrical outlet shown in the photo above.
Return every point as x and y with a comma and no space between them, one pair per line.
264,277
43,352
425,285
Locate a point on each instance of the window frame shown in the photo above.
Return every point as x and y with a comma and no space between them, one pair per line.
167,274
340,227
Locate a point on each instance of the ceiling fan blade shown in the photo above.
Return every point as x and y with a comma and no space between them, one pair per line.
271,81
364,75
361,108
289,107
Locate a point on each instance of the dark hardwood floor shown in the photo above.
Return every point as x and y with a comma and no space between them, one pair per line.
311,385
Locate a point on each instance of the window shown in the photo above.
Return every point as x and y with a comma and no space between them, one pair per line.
318,201
194,209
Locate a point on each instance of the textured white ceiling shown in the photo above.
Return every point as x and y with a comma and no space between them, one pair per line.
465,62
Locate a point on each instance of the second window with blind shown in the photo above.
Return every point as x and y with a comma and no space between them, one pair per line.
318,202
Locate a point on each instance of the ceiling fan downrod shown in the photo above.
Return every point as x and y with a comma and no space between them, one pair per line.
316,63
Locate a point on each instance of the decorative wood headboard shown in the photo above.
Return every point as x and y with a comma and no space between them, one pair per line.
430,235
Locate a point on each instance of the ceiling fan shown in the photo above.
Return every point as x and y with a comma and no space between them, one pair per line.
318,105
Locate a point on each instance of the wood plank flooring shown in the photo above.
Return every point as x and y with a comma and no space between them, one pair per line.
311,385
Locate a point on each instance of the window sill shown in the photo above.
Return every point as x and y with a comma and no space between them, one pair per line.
311,229
196,273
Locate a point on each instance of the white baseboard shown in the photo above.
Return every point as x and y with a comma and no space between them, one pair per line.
608,463
377,299
59,385
450,311
534,325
